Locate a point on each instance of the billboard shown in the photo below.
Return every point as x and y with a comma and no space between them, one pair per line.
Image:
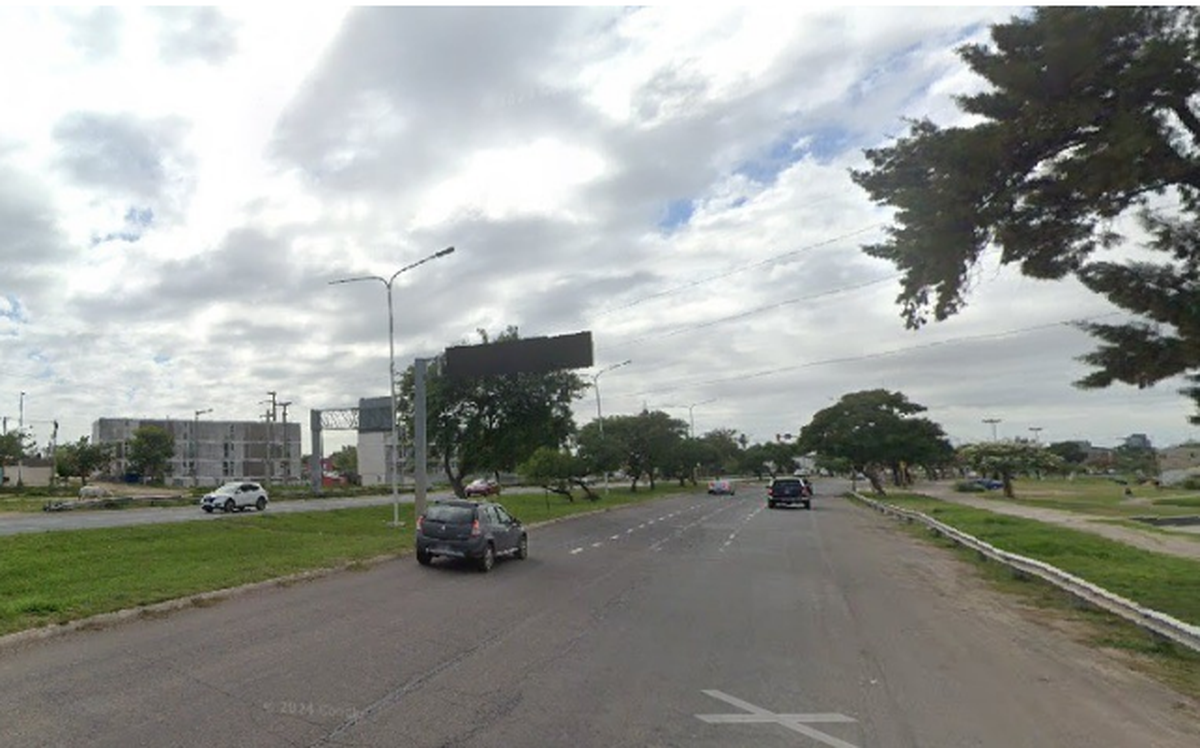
531,355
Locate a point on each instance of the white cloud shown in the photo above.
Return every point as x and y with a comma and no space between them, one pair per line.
284,151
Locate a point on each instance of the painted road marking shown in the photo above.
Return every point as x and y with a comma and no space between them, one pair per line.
597,545
576,550
795,722
629,531
615,537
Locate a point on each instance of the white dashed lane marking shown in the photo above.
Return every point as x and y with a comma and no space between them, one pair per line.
576,550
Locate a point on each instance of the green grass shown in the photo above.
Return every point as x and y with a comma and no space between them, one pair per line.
1101,497
56,577
1165,583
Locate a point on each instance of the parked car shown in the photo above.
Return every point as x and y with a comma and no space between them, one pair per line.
989,484
479,531
482,487
234,497
790,491
721,488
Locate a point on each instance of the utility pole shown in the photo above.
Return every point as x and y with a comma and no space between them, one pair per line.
21,437
992,421
271,438
287,469
1036,432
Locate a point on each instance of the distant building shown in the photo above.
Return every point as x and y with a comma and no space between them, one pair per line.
1138,441
208,453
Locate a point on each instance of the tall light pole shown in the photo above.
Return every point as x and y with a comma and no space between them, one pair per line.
992,421
196,441
387,282
599,413
1037,430
21,439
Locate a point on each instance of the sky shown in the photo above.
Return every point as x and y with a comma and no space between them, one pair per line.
178,187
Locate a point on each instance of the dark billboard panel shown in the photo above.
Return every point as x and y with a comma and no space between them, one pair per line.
531,355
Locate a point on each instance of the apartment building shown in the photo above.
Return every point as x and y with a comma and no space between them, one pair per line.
209,453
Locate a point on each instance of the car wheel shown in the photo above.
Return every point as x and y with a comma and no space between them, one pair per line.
424,558
808,505
207,509
523,547
230,505
261,504
770,504
488,559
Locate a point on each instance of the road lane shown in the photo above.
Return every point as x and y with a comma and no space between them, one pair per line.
828,627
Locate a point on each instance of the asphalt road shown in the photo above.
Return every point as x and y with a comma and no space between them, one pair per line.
14,523
692,621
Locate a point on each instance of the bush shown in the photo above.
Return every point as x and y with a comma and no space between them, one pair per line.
968,486
1192,483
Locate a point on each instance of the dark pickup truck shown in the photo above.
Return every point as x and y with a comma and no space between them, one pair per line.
790,491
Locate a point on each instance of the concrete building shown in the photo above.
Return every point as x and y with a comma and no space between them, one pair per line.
209,453
1181,457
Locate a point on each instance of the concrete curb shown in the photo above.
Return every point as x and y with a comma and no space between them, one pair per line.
1154,621
202,599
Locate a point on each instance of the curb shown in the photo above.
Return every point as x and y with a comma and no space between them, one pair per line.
1156,622
203,599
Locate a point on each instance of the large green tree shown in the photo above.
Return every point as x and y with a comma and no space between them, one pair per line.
14,446
1089,117
82,459
873,430
557,470
491,424
1009,459
641,445
150,451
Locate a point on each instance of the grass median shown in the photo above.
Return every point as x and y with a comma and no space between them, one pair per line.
57,577
1165,583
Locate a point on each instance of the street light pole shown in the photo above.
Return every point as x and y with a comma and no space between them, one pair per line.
196,442
387,282
1037,430
599,413
992,421
21,440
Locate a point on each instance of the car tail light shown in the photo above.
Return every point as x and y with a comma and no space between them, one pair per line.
420,522
770,492
475,531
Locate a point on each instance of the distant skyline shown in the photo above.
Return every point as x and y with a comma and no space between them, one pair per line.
179,185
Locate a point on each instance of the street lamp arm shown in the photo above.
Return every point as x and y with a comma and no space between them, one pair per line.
406,268
359,278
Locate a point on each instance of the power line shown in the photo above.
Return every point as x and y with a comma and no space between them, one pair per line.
877,355
740,269
757,310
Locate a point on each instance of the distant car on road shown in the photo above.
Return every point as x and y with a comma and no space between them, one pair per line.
482,487
989,484
234,497
790,491
721,488
478,531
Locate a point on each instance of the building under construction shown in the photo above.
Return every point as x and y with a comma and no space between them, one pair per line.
209,453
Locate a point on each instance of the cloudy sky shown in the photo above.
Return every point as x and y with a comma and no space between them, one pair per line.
178,187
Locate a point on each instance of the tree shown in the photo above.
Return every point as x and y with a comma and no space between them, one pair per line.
875,429
491,424
82,459
725,451
1138,461
150,451
1089,118
345,460
640,445
557,470
14,446
685,458
1008,459
1071,453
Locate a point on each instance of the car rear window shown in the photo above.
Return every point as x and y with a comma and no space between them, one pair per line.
454,515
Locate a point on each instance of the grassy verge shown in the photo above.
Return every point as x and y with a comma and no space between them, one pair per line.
57,577
1103,497
1165,583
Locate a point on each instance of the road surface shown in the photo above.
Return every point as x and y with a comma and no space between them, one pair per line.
693,621
14,523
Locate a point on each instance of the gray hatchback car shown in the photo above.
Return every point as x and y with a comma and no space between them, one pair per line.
478,531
